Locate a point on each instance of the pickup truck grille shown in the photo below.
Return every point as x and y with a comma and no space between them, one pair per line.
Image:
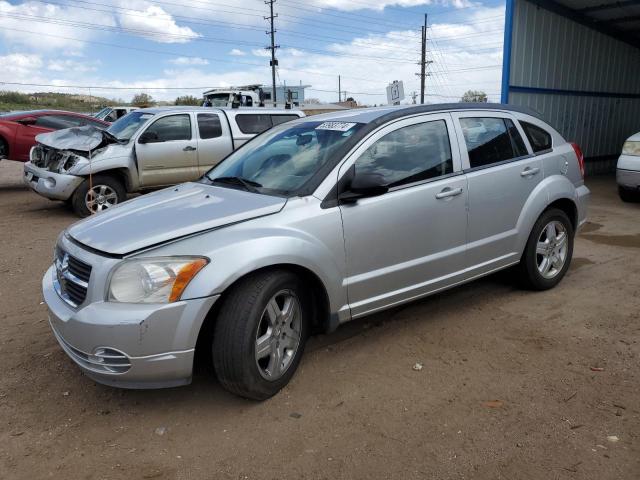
71,278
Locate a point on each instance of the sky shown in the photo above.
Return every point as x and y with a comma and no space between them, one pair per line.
166,48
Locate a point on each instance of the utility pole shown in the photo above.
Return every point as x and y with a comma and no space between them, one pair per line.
274,62
339,90
423,61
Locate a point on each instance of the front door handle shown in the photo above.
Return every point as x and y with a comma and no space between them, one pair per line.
529,172
448,192
189,148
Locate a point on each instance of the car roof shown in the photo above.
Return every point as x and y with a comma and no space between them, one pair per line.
187,108
386,113
29,113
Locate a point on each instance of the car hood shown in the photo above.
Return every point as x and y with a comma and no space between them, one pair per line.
81,139
169,214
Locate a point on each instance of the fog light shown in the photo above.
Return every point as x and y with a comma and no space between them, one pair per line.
50,183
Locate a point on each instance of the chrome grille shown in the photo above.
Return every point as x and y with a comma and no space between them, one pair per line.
71,278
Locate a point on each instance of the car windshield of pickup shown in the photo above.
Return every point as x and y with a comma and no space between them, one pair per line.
124,128
283,159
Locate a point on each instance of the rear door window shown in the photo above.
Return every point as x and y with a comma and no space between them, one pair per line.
58,122
539,138
253,123
171,128
209,125
491,140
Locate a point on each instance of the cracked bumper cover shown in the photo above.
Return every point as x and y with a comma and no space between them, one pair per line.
158,340
56,186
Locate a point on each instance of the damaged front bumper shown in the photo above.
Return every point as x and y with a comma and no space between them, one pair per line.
128,345
56,186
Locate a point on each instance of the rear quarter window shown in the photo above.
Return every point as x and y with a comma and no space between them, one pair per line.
539,138
253,122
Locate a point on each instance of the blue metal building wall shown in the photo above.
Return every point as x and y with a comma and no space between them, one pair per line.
585,83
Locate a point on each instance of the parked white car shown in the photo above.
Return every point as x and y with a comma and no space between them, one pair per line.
628,170
149,148
111,114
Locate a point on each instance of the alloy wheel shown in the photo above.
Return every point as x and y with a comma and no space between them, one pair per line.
552,249
100,197
278,335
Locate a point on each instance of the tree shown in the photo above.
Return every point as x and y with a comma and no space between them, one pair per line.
142,100
474,96
188,100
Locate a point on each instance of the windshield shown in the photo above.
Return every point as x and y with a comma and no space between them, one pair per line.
103,113
219,99
283,159
125,127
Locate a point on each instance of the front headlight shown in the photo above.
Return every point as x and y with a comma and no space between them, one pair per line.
153,280
631,148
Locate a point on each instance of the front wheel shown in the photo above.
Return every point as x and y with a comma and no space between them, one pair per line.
627,195
548,252
260,334
101,193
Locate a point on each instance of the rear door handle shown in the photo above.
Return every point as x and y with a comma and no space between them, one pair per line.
529,172
189,148
448,192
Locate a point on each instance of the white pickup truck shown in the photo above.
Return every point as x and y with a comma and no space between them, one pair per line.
94,169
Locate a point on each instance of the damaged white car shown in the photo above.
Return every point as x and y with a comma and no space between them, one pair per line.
93,169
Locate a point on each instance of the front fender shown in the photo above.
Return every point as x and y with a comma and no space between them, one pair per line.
100,164
549,190
238,250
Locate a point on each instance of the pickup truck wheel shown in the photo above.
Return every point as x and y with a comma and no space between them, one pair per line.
548,253
104,192
260,334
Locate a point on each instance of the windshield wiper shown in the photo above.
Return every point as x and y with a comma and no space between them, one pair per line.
248,185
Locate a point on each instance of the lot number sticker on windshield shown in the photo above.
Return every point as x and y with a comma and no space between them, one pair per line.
337,126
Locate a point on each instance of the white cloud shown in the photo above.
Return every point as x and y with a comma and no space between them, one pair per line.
189,61
154,23
52,21
60,65
236,52
20,65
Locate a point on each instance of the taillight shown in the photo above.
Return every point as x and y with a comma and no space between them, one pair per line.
580,156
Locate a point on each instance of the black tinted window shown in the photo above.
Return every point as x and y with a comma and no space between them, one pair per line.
409,154
209,125
58,122
489,141
253,123
539,139
174,127
278,119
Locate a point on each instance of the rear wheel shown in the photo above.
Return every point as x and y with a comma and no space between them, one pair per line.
548,253
260,334
103,192
627,195
4,148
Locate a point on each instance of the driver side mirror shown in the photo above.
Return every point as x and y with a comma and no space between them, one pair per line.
27,121
365,184
148,137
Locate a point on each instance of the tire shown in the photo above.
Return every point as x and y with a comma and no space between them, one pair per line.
627,195
110,187
532,264
242,326
4,149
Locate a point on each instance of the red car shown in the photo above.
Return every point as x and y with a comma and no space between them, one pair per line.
19,129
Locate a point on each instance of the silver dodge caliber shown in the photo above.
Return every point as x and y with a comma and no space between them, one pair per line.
309,225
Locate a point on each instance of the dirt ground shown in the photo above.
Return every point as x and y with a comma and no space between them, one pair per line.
515,384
